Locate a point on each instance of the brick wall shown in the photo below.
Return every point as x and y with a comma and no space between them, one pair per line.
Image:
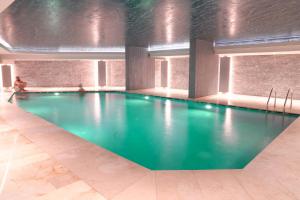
116,73
179,78
56,73
179,73
256,75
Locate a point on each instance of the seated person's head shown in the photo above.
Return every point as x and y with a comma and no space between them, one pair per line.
18,78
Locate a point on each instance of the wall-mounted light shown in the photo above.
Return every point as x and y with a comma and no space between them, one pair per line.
166,47
70,50
260,40
4,43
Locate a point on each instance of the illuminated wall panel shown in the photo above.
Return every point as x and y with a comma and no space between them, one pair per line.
224,74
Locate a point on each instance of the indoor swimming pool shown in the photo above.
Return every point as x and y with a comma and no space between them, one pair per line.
161,133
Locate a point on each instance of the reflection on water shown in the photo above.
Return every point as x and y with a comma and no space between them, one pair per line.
228,123
168,113
162,133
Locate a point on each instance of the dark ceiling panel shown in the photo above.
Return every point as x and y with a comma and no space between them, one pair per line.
112,23
245,19
156,22
64,23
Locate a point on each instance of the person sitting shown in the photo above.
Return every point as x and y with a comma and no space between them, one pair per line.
19,85
81,89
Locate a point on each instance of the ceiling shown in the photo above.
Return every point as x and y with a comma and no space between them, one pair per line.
57,25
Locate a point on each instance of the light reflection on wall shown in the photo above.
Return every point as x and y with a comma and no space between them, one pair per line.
231,75
53,14
169,16
169,74
13,74
96,74
1,79
233,15
95,31
107,74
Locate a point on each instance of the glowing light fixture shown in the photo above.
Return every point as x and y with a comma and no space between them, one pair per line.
56,93
71,50
260,40
146,97
4,43
166,47
208,106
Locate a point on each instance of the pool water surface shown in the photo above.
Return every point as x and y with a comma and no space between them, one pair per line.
160,133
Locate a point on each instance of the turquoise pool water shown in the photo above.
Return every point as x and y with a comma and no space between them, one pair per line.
159,133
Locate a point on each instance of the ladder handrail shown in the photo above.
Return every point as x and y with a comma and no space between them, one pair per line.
292,95
275,100
285,101
10,98
269,99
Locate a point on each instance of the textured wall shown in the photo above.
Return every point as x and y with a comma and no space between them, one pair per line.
56,73
140,69
158,72
179,73
116,73
256,75
204,67
6,76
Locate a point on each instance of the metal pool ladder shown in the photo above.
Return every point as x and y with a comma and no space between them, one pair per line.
286,99
275,99
10,98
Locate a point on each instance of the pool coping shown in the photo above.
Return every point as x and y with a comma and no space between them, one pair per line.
259,167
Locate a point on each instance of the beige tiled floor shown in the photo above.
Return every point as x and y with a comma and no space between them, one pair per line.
28,172
40,160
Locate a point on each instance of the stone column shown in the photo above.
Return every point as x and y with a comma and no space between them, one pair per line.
140,69
204,64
